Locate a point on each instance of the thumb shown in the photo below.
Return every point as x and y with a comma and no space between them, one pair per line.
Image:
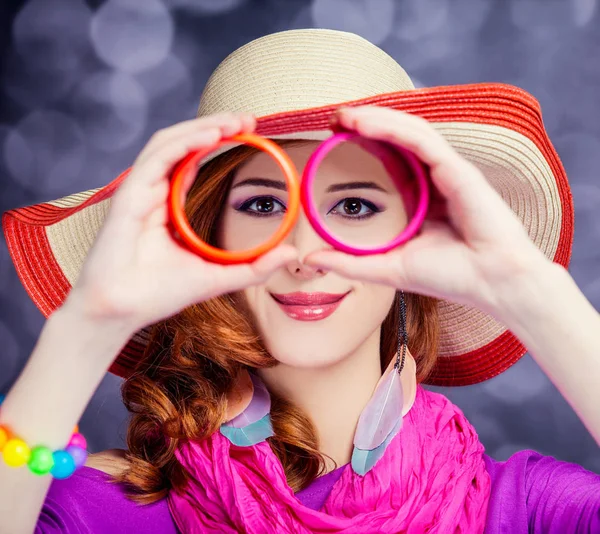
372,268
235,277
266,264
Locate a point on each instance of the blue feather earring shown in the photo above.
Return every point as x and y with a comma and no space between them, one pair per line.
381,418
379,422
253,424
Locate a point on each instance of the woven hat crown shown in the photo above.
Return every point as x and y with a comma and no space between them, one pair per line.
299,69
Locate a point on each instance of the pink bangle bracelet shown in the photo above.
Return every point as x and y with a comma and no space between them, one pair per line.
41,460
385,151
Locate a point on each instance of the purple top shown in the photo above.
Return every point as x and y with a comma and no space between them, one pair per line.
529,491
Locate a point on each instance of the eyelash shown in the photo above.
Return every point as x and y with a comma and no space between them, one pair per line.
374,209
245,207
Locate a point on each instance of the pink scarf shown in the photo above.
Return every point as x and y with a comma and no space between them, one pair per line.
432,478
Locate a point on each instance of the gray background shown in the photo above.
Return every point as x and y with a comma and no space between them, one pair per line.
83,86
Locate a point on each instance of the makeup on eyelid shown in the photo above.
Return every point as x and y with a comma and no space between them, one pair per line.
363,213
349,207
353,197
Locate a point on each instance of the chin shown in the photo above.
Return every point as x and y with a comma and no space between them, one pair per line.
308,344
305,354
297,337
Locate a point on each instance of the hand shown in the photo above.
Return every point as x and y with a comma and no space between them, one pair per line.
471,246
135,271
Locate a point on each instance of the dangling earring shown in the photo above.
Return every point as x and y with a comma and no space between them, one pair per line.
379,422
381,418
253,425
402,334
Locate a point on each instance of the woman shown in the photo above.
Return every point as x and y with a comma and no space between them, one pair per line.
316,328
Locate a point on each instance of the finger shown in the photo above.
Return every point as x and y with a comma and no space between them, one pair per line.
413,133
475,208
156,167
228,123
132,198
157,210
139,193
451,173
372,268
135,199
236,277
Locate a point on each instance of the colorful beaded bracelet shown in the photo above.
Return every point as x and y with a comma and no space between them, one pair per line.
41,460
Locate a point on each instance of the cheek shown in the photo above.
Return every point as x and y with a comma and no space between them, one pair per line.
228,237
248,296
238,231
384,295
233,233
374,304
251,303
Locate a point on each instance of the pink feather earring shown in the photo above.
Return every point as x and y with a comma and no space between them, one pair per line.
248,421
381,418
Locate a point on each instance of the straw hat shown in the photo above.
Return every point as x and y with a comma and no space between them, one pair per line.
293,81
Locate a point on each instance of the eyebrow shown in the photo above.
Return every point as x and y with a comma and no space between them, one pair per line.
334,188
264,182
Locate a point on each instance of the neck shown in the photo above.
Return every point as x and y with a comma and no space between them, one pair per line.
334,396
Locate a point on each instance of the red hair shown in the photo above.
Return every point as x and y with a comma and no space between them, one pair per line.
179,388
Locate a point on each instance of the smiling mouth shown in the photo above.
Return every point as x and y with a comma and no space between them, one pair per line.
303,306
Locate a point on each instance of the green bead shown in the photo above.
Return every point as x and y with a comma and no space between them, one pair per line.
41,461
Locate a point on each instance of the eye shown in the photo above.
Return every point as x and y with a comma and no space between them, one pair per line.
261,206
355,208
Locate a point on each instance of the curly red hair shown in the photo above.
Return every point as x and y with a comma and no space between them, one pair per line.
179,389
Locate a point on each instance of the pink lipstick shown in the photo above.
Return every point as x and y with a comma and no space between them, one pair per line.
309,306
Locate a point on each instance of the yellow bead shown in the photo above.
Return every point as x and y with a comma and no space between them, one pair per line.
16,452
3,438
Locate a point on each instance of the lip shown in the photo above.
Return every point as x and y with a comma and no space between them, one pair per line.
303,306
302,298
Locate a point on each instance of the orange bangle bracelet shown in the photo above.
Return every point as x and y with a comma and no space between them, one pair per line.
183,176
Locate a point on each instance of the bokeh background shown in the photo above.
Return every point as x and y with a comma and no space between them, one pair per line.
85,83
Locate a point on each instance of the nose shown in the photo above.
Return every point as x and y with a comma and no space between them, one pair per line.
301,271
305,240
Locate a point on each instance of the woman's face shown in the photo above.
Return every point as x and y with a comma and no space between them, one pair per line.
308,317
